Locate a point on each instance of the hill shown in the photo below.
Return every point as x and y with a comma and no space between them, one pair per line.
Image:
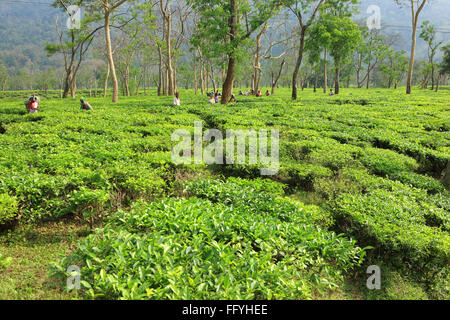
27,25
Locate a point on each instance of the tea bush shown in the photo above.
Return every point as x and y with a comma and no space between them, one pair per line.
239,242
400,221
8,208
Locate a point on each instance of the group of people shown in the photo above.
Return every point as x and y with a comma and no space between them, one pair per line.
32,104
217,97
253,93
214,97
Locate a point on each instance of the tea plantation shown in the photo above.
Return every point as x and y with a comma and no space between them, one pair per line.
363,180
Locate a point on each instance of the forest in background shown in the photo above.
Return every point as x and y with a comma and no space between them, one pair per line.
25,64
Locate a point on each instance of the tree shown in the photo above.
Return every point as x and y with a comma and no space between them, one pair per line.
275,36
145,55
416,7
345,37
340,35
182,14
306,12
276,78
316,43
166,11
73,45
233,21
428,33
302,9
257,59
107,9
101,51
444,66
395,67
371,51
131,40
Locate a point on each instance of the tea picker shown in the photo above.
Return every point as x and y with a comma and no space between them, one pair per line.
84,104
32,104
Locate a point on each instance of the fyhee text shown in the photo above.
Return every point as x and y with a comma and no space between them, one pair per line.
231,309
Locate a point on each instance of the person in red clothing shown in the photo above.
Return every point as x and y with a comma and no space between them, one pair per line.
85,105
32,104
258,94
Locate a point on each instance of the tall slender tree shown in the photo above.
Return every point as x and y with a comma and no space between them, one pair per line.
105,10
428,33
306,11
416,7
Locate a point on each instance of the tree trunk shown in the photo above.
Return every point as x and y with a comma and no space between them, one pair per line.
73,87
336,81
66,87
437,82
316,80
105,86
258,79
145,81
411,59
325,79
432,72
257,65
160,78
61,87
228,83
213,80
115,83
202,76
168,18
275,83
298,64
195,77
166,82
207,78
127,81
425,81
358,71
174,75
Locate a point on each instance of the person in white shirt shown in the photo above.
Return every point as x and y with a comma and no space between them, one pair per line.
176,100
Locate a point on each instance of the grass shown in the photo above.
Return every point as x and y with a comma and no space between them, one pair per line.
32,249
